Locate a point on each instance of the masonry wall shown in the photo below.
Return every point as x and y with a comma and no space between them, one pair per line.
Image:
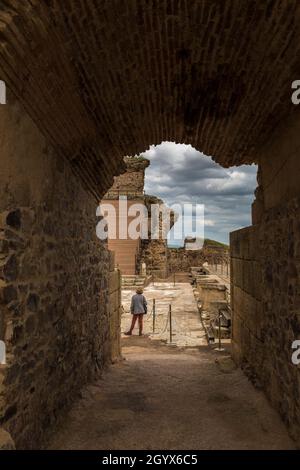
180,259
265,278
132,181
155,255
53,282
115,313
154,252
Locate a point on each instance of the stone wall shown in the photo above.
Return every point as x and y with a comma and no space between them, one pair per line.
115,306
154,252
265,278
144,74
246,298
181,260
53,282
132,181
266,307
6,442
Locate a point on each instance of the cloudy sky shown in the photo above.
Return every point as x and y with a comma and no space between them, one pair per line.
180,174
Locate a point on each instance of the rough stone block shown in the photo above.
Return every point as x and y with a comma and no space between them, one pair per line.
6,441
111,255
114,281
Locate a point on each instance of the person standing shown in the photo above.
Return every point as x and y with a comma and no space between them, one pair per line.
138,309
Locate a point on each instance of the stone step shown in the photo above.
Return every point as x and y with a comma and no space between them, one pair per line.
226,313
225,332
133,281
133,284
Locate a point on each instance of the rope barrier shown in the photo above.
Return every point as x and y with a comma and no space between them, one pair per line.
181,331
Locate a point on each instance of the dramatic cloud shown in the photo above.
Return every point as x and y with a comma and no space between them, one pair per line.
180,174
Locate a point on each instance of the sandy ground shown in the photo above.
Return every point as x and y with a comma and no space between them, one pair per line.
168,397
164,398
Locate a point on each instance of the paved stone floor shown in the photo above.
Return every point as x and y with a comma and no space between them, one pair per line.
186,326
169,397
161,397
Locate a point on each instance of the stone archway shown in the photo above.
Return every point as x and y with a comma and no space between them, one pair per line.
98,82
104,81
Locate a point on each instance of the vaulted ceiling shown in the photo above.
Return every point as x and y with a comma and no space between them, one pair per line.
107,78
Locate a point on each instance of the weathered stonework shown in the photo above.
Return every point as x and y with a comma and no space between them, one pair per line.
54,289
6,442
265,270
160,260
130,254
181,260
131,182
266,306
154,253
211,293
115,307
108,79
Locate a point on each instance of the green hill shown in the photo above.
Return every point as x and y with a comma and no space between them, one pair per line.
212,243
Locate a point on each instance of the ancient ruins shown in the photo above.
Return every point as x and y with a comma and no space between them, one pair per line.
158,258
87,83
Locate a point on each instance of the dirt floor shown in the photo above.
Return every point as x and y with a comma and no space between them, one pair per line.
164,397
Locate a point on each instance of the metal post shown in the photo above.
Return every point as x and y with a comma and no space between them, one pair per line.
219,348
174,279
170,322
153,315
219,331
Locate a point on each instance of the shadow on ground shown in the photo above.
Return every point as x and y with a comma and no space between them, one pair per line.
161,397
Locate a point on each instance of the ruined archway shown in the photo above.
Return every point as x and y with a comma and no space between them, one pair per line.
103,81
141,75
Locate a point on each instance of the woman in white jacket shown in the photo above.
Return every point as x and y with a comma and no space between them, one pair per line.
138,309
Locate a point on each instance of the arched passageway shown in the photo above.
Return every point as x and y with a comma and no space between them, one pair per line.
90,82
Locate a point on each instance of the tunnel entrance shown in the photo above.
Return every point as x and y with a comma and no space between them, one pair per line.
181,178
44,254
83,93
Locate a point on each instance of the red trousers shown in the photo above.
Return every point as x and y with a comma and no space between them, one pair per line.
135,317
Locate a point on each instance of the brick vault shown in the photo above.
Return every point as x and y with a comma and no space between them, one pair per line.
89,82
107,79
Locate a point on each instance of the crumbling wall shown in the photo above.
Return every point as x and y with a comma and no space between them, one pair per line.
265,278
154,252
181,260
6,442
53,282
132,181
